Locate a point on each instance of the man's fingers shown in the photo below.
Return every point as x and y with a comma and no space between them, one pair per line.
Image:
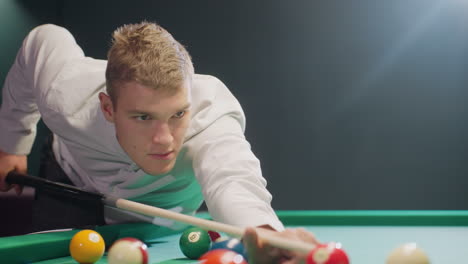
18,189
262,252
251,240
4,186
306,236
300,234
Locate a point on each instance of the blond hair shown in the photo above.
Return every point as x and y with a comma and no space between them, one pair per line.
146,53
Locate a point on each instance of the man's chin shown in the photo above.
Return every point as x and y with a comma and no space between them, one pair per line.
159,171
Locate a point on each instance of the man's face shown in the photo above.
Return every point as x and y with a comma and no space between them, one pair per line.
150,124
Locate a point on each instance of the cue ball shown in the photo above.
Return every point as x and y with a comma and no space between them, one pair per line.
408,253
330,253
87,246
194,242
128,251
222,256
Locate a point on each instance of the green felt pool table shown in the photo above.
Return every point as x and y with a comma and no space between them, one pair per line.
367,236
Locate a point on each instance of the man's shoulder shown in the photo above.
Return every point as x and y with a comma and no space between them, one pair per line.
76,86
208,87
205,79
211,100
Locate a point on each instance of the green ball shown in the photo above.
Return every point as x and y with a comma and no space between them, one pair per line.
194,242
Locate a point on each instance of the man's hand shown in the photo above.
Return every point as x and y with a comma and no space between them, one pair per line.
260,252
11,162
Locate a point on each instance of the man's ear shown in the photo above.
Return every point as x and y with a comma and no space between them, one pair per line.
107,107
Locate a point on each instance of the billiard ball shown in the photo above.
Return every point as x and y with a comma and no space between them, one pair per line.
408,253
221,238
213,235
330,253
222,256
128,250
194,242
233,244
87,246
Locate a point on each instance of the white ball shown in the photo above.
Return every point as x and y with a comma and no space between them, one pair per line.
128,251
408,253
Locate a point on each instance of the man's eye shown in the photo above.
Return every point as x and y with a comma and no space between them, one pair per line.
143,117
179,114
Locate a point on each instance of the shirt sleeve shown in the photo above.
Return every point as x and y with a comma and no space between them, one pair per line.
230,176
41,57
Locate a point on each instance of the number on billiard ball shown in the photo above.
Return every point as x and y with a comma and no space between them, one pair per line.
128,251
194,242
87,246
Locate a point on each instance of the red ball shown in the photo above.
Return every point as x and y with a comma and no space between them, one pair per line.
222,256
330,253
214,235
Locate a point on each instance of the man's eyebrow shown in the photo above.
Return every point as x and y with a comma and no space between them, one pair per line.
138,111
187,105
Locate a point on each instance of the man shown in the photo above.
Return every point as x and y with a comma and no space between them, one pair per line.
140,126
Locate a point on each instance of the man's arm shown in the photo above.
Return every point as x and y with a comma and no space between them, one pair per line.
18,119
261,252
19,113
230,175
39,60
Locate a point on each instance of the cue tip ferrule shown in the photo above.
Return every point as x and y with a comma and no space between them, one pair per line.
110,200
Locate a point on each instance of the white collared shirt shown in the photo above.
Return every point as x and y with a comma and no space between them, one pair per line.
51,78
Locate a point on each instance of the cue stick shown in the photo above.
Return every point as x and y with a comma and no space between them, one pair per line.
269,236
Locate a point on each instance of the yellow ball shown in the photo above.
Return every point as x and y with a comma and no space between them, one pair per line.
87,246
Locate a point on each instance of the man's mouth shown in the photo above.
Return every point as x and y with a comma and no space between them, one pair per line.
162,156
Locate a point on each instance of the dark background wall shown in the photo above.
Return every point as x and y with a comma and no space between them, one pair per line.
350,104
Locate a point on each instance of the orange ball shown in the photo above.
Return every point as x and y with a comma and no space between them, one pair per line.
87,246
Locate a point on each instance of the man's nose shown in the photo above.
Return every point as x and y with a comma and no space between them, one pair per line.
162,134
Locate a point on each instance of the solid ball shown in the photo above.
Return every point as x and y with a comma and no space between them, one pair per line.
128,251
408,254
222,256
194,242
214,235
330,253
87,246
233,244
